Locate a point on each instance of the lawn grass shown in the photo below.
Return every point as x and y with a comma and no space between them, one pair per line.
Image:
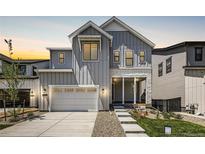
180,128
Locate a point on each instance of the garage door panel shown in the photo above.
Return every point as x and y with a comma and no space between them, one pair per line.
74,98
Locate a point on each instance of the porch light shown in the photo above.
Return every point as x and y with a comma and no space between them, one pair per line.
32,94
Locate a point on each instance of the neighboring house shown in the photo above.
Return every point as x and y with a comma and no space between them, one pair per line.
30,88
107,64
179,77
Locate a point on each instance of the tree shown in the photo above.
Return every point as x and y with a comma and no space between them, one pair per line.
12,82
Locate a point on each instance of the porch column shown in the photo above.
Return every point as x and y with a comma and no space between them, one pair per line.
134,90
123,90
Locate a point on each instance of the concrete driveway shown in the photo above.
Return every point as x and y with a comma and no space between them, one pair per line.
55,124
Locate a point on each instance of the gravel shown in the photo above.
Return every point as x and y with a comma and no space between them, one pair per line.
107,125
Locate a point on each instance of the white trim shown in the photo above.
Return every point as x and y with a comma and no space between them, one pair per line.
123,90
88,24
129,29
54,70
135,90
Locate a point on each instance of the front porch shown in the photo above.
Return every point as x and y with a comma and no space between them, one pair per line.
128,90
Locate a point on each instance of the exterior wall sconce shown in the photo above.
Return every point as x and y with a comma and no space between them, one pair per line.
44,92
32,94
103,90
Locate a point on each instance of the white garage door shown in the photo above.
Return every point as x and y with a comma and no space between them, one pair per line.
73,98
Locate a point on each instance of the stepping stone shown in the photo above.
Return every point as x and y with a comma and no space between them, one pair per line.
123,114
118,107
121,110
132,128
136,135
126,120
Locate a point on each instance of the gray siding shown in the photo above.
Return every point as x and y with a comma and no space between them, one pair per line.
132,42
54,55
191,56
93,72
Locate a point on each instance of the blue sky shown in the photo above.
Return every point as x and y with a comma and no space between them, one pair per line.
31,35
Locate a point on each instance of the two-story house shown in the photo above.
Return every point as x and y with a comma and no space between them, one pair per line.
107,64
179,77
29,90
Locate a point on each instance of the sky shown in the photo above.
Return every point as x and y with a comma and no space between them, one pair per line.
32,35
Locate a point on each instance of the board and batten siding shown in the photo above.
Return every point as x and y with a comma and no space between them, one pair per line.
171,85
195,89
53,78
131,42
93,72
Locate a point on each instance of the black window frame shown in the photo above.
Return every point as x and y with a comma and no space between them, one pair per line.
169,65
160,69
116,56
90,42
22,71
197,54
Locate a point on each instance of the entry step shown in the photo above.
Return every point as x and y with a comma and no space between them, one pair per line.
123,114
136,135
121,110
132,128
118,107
126,120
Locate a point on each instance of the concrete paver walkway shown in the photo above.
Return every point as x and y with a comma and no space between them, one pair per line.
55,124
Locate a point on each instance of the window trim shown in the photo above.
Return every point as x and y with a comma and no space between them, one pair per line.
61,58
195,49
98,49
129,58
170,58
116,56
161,69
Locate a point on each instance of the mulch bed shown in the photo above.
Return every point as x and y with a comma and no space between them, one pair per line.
107,125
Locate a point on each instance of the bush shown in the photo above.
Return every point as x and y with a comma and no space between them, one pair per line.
166,115
157,115
30,115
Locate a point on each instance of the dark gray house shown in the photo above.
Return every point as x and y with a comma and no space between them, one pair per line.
179,77
106,64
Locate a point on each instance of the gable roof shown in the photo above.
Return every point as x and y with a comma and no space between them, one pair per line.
114,19
85,26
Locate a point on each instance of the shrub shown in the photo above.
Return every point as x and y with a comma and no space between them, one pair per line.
157,115
166,115
30,115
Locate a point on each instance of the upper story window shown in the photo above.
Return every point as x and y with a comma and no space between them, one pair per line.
142,56
61,58
128,58
160,69
169,65
90,51
22,69
198,53
116,56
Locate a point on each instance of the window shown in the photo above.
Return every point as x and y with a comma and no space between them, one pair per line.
169,65
129,58
198,53
22,69
160,69
116,56
34,70
142,56
90,51
61,58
